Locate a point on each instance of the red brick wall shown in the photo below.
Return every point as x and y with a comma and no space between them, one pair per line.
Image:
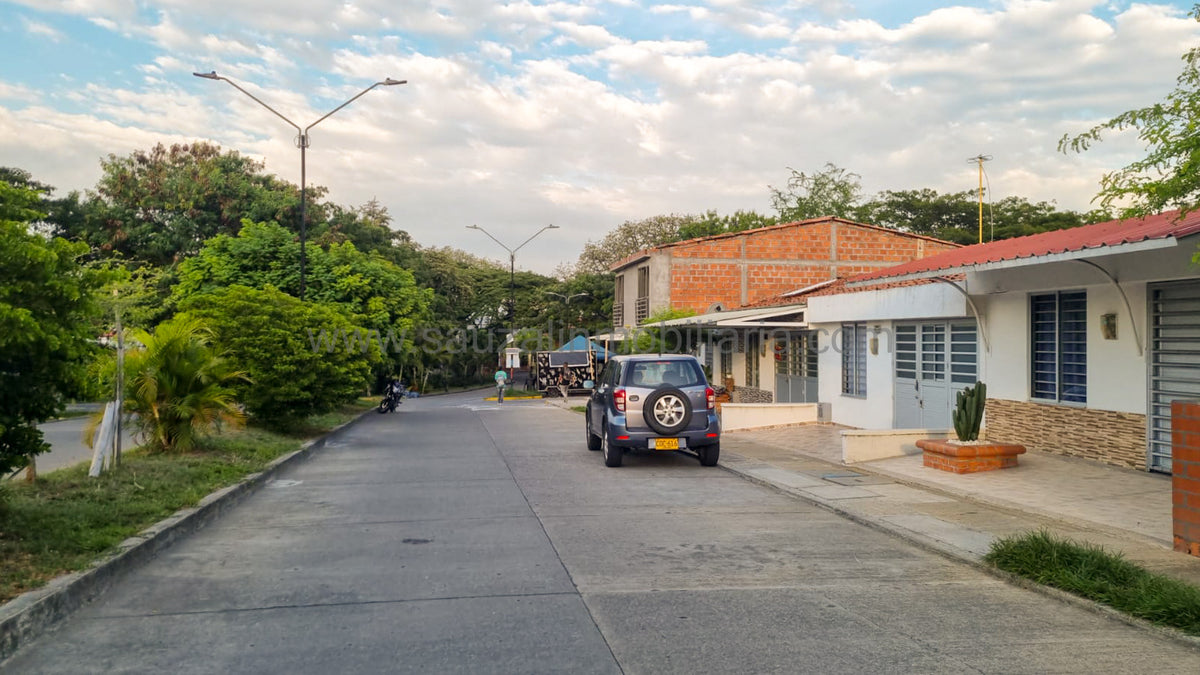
699,285
765,281
811,242
784,258
1185,476
718,248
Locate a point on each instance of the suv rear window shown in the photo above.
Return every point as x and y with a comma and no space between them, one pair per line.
672,373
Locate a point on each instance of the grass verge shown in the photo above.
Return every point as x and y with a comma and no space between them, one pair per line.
65,520
579,408
1100,575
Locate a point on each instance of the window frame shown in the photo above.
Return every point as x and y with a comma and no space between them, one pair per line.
1058,347
854,359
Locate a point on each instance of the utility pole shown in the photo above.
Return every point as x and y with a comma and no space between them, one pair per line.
980,159
116,461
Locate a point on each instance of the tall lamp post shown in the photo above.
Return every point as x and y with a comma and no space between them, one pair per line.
512,274
302,142
567,303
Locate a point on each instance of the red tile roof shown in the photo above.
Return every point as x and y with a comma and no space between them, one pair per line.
839,287
1099,235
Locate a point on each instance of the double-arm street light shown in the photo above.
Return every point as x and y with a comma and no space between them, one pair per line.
567,303
302,143
512,271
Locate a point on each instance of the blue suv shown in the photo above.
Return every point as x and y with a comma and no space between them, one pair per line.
649,402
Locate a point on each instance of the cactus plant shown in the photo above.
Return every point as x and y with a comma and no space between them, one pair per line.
968,411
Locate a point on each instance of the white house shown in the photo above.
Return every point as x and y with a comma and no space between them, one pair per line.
1083,336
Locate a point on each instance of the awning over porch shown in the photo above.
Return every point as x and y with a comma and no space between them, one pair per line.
790,316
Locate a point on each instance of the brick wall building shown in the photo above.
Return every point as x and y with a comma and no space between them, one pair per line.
737,269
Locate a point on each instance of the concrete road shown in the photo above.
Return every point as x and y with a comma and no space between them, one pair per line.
66,444
460,536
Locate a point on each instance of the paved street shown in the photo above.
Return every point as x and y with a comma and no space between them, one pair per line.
66,443
461,536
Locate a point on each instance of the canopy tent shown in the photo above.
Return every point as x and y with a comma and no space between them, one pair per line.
581,343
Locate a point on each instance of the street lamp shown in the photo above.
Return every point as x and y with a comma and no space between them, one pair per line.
302,142
512,272
567,303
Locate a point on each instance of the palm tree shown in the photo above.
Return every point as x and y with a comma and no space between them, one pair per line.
178,386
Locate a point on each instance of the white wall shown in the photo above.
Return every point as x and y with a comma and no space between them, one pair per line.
877,409
1116,373
926,301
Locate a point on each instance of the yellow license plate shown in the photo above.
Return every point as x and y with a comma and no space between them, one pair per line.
666,444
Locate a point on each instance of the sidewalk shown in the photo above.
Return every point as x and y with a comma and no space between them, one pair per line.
960,515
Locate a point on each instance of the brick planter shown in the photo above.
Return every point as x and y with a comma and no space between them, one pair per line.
950,455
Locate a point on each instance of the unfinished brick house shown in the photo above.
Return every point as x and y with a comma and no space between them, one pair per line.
726,271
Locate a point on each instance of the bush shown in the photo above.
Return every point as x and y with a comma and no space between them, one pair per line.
1097,574
176,386
295,355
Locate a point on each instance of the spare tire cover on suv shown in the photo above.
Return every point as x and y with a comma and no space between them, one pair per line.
667,411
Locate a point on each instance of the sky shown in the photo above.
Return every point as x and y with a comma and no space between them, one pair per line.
585,115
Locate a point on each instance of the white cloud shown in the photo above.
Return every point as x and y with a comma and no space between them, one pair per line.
524,114
43,30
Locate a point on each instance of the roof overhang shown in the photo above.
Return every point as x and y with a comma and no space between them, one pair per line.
791,316
1082,254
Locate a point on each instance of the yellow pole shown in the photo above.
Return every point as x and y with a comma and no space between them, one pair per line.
980,199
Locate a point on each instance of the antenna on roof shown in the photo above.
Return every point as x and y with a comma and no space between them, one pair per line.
980,159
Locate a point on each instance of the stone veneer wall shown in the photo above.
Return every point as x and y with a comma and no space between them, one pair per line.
1111,437
751,395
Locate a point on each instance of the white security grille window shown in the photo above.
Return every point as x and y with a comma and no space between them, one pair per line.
854,359
1058,341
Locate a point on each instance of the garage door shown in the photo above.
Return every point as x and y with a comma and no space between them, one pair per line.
1174,362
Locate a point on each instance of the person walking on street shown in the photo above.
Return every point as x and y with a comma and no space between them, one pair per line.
501,379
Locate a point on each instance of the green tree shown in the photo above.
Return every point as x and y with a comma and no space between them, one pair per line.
833,191
47,310
300,358
372,291
1168,177
652,339
629,238
160,206
177,387
712,223
955,216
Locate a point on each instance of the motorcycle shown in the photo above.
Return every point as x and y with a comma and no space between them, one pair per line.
393,397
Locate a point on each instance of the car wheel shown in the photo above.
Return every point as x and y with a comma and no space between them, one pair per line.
667,411
593,441
709,454
612,453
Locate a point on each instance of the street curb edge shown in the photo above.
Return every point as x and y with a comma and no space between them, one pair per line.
957,555
36,612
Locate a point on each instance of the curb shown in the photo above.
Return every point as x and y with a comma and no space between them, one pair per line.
956,554
32,613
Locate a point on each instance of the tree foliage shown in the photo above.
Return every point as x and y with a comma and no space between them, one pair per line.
299,358
177,386
652,339
629,238
46,312
711,223
160,206
1168,177
833,191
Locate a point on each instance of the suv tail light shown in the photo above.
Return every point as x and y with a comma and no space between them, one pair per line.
619,399
711,397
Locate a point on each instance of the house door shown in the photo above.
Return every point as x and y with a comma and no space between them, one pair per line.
934,361
796,368
1174,363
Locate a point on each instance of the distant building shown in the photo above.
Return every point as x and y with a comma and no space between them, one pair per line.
727,271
